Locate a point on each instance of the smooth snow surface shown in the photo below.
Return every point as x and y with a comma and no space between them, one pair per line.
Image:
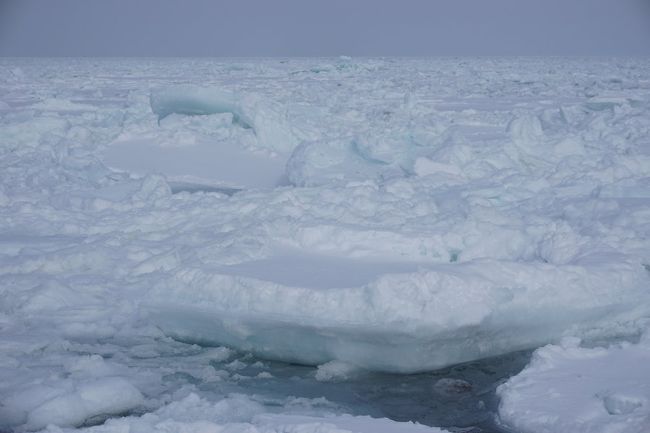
199,166
298,268
356,217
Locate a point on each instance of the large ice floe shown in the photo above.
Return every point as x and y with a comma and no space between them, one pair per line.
324,245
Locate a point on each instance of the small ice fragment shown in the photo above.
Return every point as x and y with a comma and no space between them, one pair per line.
336,371
449,387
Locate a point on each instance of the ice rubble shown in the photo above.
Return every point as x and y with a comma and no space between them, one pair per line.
567,388
436,212
90,389
265,118
97,398
526,259
239,414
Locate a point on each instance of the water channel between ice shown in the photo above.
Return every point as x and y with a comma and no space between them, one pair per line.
459,398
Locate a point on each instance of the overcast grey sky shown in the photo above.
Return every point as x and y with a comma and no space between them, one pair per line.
323,28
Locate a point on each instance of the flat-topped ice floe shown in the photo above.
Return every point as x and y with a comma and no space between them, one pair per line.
204,166
406,322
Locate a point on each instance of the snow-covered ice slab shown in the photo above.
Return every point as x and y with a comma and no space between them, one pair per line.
568,389
405,322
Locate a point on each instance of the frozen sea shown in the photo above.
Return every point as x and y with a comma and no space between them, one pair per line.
325,245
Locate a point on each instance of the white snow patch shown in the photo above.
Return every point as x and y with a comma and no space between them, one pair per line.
567,389
204,165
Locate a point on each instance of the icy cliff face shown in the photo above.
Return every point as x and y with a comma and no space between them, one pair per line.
391,215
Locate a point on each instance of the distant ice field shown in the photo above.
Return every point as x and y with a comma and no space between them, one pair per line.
244,244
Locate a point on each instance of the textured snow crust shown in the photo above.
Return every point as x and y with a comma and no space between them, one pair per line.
380,214
568,388
238,414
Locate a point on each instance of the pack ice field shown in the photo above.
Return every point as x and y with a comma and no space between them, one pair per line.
325,245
